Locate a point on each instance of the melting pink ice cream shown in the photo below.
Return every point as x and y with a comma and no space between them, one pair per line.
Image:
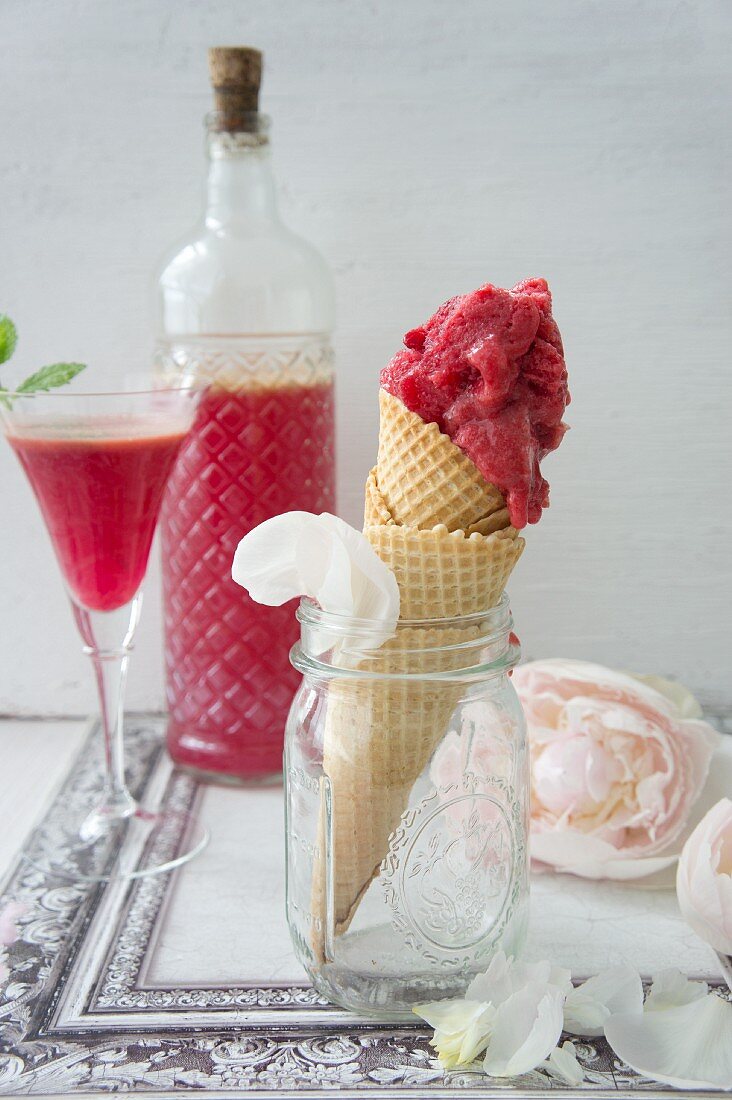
488,368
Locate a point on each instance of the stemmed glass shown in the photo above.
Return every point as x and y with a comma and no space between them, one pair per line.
98,464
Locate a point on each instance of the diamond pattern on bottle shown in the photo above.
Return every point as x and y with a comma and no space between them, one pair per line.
255,452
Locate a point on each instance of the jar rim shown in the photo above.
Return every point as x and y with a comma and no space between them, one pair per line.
309,613
457,648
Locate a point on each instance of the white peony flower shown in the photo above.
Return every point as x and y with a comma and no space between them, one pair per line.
704,878
617,765
513,1012
462,1029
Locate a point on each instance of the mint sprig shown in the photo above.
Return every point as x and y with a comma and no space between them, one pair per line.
49,378
8,338
41,381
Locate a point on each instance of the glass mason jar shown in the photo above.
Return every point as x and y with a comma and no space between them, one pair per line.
407,794
248,307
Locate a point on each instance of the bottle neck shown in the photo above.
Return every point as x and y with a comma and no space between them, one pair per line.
240,192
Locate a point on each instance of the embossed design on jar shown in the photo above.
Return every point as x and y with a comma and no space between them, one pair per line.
298,777
451,872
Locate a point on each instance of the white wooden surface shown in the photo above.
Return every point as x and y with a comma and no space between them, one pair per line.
225,918
35,757
426,149
584,926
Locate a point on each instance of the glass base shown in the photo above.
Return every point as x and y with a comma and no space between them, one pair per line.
140,844
375,972
221,779
371,976
252,759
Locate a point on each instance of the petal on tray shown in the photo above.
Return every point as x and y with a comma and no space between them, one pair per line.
616,990
688,1047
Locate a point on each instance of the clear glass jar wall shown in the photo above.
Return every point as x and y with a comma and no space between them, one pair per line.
407,792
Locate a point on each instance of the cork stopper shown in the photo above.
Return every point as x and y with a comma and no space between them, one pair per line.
236,73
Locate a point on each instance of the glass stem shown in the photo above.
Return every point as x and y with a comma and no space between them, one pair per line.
109,662
110,670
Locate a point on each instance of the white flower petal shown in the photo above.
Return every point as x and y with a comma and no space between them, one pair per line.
459,1026
478,1035
577,853
374,587
504,977
685,703
587,673
266,560
451,1016
526,1030
300,554
496,985
325,570
563,1065
618,989
671,989
687,1047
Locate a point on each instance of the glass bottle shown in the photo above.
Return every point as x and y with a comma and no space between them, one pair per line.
407,795
249,307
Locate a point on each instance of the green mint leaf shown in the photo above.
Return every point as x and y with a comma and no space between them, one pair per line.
49,378
4,399
8,338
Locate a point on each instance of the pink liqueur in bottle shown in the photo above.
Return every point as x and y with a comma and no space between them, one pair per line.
253,455
248,307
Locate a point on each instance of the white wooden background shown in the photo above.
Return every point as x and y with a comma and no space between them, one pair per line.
426,147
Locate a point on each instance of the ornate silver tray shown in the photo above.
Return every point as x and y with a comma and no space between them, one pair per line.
186,981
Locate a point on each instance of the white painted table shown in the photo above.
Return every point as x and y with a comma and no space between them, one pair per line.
34,757
582,925
200,964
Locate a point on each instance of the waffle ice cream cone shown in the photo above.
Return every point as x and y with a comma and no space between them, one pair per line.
380,734
423,478
497,521
375,512
443,574
488,365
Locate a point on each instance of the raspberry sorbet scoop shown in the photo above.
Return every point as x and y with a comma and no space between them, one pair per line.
488,368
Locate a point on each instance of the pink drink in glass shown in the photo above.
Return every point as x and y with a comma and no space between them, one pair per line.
253,454
98,463
100,497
